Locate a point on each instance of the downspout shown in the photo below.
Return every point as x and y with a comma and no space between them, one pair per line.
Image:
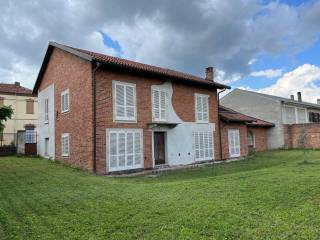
219,125
94,104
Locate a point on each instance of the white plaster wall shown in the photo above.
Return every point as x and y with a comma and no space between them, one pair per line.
179,139
46,130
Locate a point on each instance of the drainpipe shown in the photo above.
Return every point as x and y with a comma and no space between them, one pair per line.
219,125
94,104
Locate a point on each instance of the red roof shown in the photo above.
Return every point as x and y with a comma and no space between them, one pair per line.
229,115
124,63
15,88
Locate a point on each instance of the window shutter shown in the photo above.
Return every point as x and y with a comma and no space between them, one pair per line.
122,150
199,108
204,108
113,142
163,105
137,149
120,109
130,101
30,106
203,145
129,152
156,104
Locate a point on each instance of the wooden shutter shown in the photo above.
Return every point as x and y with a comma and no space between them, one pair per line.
130,102
159,102
30,106
203,145
124,101
205,109
156,104
199,108
137,149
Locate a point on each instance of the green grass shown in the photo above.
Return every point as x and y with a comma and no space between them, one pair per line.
269,196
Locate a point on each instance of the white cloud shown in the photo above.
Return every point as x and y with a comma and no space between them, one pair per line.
252,61
221,76
268,73
302,79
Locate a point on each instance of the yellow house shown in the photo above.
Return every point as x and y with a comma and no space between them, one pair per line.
25,107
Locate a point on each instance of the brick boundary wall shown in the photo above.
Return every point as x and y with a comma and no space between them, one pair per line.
292,134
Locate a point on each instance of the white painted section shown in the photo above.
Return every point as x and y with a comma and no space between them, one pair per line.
179,139
46,129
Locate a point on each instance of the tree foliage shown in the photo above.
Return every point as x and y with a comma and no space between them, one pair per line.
6,113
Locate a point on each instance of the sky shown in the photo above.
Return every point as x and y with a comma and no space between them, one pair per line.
260,45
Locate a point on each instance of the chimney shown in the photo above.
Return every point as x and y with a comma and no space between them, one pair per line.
292,97
209,74
17,84
318,101
299,97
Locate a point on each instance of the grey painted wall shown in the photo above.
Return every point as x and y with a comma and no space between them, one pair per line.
260,107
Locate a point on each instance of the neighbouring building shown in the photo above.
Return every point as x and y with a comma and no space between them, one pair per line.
25,108
241,133
289,115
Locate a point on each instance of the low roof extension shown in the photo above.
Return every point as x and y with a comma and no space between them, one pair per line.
125,64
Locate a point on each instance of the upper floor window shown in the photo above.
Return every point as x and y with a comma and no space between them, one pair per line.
124,101
30,106
65,144
202,108
65,101
314,117
159,105
292,115
46,110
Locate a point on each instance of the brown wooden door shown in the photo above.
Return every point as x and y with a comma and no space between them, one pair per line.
159,148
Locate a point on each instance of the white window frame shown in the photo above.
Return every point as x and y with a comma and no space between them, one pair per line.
46,110
165,108
68,101
253,139
124,119
206,98
108,152
305,114
65,154
206,145
229,143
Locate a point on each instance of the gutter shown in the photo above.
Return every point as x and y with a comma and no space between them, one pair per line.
219,120
94,122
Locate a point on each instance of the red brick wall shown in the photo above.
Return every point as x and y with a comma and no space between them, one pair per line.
68,71
292,134
261,138
183,103
243,138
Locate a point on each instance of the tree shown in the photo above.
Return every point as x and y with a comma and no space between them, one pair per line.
303,142
5,114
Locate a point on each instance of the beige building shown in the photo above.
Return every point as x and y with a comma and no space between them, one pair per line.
25,107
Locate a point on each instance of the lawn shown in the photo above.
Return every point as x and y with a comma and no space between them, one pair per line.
268,196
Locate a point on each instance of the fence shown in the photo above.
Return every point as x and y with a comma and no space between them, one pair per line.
22,142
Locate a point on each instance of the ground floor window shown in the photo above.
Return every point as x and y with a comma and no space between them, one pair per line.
234,142
251,139
46,146
203,145
30,136
65,144
125,149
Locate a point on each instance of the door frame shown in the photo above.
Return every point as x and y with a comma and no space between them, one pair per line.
165,148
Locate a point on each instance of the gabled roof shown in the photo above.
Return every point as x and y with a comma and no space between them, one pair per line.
230,115
14,89
281,99
123,63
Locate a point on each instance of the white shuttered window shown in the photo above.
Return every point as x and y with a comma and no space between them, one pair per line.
203,145
65,144
159,105
65,101
202,108
46,110
125,149
234,142
124,101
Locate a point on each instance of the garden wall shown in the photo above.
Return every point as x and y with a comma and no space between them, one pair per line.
294,132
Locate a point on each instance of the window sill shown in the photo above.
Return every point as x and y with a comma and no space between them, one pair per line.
202,122
125,120
46,122
65,112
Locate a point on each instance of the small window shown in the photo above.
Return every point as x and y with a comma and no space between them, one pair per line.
46,110
65,101
46,146
30,106
159,105
251,139
65,144
202,108
203,145
124,101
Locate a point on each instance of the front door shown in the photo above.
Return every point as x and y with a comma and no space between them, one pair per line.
159,148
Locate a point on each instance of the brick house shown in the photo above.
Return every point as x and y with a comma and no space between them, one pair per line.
107,114
241,133
291,116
